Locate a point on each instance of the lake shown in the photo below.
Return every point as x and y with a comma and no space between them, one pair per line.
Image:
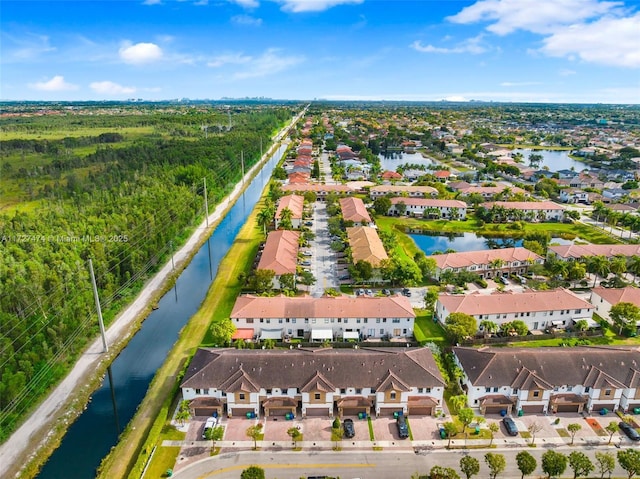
393,159
469,242
554,159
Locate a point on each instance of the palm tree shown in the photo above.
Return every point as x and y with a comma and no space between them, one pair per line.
619,265
598,266
496,264
264,219
285,218
634,266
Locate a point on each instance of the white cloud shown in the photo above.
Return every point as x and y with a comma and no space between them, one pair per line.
538,16
269,63
298,6
140,53
455,98
246,3
246,20
229,59
57,83
470,45
608,41
565,72
152,2
111,88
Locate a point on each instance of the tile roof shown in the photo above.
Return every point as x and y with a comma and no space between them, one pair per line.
386,189
524,205
280,252
326,368
353,209
391,175
317,188
614,296
583,250
428,202
294,202
508,302
366,245
470,258
582,365
249,306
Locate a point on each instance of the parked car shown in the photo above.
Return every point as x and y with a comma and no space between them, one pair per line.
306,263
403,428
503,280
629,431
343,277
209,424
510,426
369,292
349,429
406,292
386,292
309,223
307,253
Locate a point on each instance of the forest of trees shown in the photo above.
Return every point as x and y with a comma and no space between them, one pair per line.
125,204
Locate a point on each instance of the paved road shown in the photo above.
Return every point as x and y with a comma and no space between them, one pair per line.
324,259
364,464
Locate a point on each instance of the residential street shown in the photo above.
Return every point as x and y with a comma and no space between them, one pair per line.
365,464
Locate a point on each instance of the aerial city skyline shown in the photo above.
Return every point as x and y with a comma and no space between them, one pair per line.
573,51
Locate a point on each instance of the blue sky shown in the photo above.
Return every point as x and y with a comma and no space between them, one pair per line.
492,50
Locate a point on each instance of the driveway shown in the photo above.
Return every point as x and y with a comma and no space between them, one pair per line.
236,428
424,428
316,428
361,427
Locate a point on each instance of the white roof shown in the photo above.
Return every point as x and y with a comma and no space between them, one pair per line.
322,334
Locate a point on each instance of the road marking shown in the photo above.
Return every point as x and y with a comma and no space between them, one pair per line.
286,466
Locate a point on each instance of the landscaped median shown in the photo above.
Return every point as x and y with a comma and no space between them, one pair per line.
129,456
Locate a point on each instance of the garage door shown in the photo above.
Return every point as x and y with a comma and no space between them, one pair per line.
388,411
420,411
495,409
205,411
353,411
609,407
241,411
279,411
568,408
317,412
533,409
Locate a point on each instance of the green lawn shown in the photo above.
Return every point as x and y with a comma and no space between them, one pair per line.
426,331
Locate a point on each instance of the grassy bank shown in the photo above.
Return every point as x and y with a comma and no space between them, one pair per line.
131,453
564,230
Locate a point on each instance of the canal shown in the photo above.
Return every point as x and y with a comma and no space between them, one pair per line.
114,403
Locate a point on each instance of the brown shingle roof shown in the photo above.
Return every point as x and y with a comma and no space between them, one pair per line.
508,302
366,245
297,368
249,306
280,252
353,209
582,365
471,258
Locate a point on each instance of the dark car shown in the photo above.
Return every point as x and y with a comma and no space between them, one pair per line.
349,429
510,426
403,429
406,292
629,431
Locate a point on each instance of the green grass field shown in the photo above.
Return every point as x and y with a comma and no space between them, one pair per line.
426,331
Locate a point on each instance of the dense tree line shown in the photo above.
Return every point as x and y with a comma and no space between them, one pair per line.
134,205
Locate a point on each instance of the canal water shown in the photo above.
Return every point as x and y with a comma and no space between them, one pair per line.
112,406
468,242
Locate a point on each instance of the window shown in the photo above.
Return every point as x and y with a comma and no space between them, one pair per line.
280,321
326,321
487,390
377,320
268,391
495,390
358,390
366,320
288,320
249,320
316,396
381,331
536,394
293,320
198,391
343,391
578,311
268,321
396,320
392,395
420,390
306,320
587,389
569,388
313,321
358,321
607,392
262,320
241,396
428,390
515,390
384,320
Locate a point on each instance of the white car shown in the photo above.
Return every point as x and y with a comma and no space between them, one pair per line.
209,424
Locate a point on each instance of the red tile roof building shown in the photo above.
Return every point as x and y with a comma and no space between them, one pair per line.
353,209
488,263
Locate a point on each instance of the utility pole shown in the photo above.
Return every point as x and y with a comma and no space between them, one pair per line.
206,203
105,348
173,266
242,164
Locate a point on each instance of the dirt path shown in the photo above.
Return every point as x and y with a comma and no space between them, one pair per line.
59,408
